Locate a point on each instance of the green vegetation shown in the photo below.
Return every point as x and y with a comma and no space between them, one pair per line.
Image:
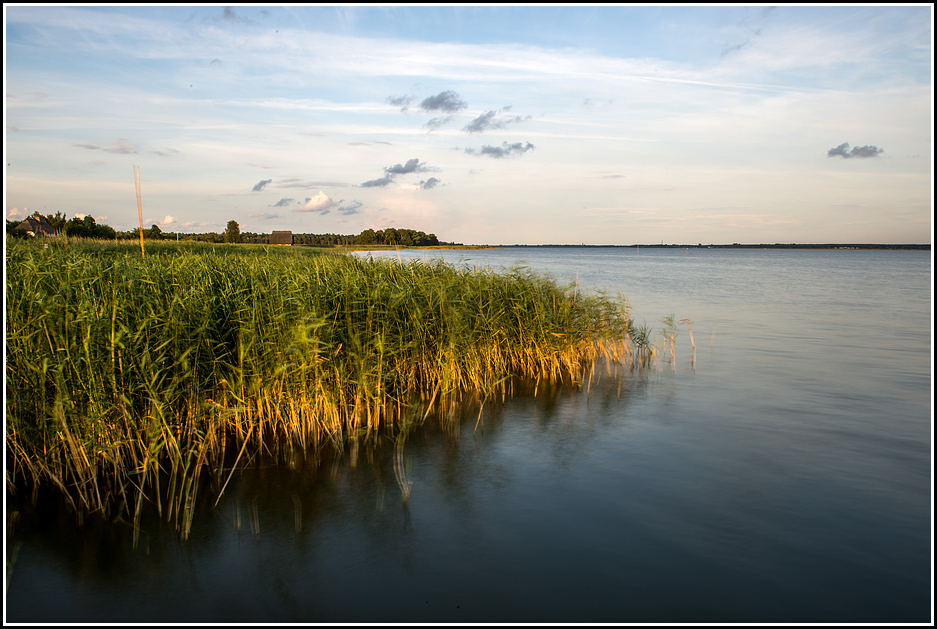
233,232
383,237
127,376
86,227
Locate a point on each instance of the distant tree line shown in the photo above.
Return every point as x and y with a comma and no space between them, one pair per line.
87,227
391,236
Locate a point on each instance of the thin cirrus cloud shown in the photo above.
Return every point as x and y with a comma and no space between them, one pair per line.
121,146
118,146
461,61
295,182
857,151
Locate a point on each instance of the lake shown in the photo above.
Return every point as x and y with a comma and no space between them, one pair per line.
781,473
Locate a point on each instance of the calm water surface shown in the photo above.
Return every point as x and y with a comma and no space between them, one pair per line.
785,476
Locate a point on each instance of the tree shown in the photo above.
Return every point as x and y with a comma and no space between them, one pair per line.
80,227
233,232
105,231
367,237
57,221
153,233
87,227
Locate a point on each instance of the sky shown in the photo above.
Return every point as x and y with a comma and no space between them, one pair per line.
480,124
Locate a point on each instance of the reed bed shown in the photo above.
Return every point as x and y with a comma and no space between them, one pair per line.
128,376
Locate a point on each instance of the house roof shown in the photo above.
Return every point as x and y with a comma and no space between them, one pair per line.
281,238
37,226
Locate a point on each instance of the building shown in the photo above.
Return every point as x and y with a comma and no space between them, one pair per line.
36,227
281,238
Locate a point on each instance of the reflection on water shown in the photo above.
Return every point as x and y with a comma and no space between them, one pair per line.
786,478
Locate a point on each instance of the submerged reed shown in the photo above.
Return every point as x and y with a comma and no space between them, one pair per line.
126,376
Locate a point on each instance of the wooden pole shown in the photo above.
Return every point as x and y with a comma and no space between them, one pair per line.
136,181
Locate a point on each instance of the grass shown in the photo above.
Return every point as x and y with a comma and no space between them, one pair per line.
128,377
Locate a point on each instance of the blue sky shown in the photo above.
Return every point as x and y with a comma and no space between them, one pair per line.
499,125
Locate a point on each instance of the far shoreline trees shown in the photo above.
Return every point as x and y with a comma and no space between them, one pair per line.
391,236
87,227
84,227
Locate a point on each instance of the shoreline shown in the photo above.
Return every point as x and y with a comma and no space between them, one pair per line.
828,246
843,246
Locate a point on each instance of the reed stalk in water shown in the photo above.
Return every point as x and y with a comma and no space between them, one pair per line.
689,327
670,333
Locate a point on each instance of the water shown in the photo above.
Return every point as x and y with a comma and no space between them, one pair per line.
785,476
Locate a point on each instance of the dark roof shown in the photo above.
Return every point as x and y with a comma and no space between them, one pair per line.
37,226
281,238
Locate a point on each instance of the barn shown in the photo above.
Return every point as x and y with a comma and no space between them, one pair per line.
281,238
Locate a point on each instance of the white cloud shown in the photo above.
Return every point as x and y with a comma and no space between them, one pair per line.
17,215
319,203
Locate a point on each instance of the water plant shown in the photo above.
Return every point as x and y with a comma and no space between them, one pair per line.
670,333
689,327
640,339
129,377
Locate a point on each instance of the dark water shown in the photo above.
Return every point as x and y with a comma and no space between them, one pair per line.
785,476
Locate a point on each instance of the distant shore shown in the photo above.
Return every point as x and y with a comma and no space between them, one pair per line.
925,247
909,247
401,247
